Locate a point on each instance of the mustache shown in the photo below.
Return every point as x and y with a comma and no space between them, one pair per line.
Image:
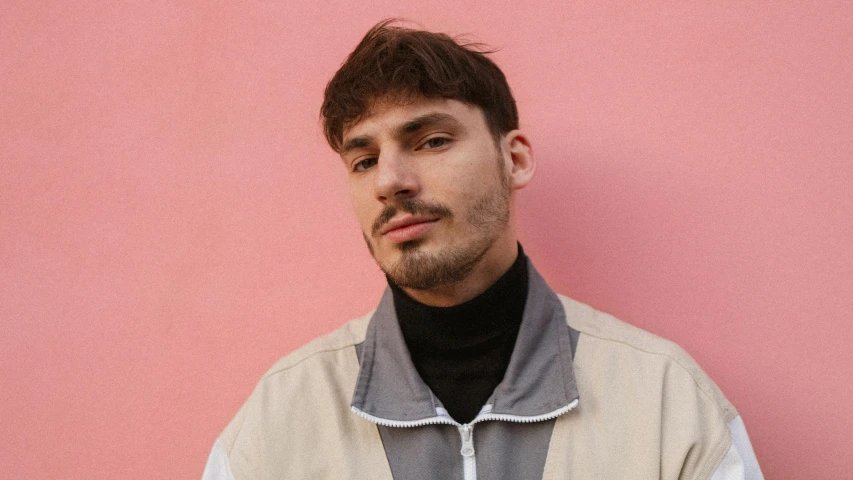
412,206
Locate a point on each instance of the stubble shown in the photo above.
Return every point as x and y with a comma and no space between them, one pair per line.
419,270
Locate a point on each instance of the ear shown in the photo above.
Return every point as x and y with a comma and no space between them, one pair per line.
520,152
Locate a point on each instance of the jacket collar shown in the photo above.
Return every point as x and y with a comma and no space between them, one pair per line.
539,380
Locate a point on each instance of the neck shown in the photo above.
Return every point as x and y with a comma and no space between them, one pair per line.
497,260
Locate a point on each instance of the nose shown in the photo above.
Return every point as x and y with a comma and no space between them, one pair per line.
396,178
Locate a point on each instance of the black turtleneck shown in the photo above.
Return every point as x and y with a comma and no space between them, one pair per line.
462,352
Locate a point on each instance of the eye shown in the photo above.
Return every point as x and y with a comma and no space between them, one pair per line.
435,142
364,165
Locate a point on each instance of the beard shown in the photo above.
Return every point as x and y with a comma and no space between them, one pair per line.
420,270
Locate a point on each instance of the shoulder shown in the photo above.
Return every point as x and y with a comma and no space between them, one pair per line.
312,381
635,385
349,335
611,340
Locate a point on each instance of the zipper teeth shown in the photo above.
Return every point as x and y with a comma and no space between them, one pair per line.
469,464
449,421
525,419
404,423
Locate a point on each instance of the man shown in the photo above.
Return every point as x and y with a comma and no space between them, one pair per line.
470,367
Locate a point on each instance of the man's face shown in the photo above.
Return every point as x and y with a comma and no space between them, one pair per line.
429,188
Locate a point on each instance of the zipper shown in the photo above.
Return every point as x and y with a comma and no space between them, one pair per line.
438,419
486,414
469,461
466,431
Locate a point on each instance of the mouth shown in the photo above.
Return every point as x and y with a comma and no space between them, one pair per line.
408,228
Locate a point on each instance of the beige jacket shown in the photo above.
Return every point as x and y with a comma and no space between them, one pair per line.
643,410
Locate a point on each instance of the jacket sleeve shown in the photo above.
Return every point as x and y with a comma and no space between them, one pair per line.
217,467
740,462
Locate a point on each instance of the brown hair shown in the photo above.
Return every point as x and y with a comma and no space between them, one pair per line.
399,64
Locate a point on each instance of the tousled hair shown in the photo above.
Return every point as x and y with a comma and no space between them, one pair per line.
399,64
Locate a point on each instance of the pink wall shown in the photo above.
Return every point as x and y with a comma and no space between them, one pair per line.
171,221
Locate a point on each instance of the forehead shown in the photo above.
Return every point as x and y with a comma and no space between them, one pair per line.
386,116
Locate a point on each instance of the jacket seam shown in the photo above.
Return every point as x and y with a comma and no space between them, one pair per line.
308,357
269,374
718,453
696,382
229,449
351,341
227,458
558,307
371,353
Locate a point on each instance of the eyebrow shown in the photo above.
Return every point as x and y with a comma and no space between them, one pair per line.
411,126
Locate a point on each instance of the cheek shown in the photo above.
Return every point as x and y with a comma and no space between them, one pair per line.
455,186
363,209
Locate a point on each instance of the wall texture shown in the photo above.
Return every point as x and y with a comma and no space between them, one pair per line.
171,221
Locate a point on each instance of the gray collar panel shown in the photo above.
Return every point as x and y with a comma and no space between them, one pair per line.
539,379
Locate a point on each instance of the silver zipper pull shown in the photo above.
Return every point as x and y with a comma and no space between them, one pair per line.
467,441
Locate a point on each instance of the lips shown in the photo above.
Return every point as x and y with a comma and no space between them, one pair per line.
403,222
407,228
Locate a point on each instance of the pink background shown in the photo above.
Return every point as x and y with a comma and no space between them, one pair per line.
171,221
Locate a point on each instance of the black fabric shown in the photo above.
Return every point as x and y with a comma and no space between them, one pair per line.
462,352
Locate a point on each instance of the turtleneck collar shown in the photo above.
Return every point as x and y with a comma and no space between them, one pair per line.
470,323
462,352
538,383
